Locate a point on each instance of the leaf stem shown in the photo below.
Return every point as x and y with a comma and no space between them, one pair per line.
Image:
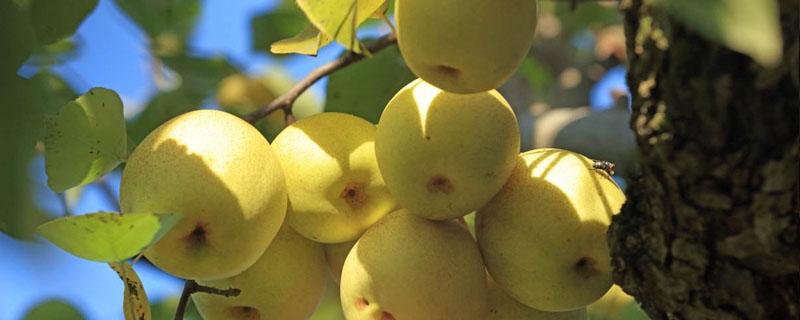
63,199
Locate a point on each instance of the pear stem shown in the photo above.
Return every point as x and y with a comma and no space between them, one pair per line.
286,100
191,287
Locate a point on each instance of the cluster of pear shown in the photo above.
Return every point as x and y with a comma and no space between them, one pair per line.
382,207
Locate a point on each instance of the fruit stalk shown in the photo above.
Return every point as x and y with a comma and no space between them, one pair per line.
191,287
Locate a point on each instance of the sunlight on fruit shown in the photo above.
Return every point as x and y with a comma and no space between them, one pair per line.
398,159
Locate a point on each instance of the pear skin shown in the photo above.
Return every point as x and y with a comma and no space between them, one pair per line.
222,175
465,46
442,154
407,267
504,307
287,282
335,254
543,237
335,188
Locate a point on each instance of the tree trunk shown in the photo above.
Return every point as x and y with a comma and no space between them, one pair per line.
710,229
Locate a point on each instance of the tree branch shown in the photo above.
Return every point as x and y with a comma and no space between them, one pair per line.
286,100
191,287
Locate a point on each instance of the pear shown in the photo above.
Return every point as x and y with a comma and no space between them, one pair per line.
407,267
287,282
335,188
222,175
442,154
243,95
465,46
503,307
543,236
335,254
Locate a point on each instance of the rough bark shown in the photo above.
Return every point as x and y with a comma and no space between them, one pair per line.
710,229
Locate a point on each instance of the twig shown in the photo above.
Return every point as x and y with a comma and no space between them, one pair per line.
286,100
191,287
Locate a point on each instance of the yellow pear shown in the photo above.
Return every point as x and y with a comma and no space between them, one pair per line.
287,282
407,267
335,254
465,46
504,307
442,154
335,188
241,94
222,175
543,236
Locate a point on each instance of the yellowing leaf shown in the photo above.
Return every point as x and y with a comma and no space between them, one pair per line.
339,19
747,26
85,140
134,303
306,42
381,12
106,236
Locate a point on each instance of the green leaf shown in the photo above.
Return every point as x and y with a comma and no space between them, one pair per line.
135,305
306,42
339,19
54,309
56,53
85,139
162,107
747,26
632,311
20,126
587,15
165,309
17,37
199,76
53,20
281,23
538,74
159,17
108,236
54,91
364,89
